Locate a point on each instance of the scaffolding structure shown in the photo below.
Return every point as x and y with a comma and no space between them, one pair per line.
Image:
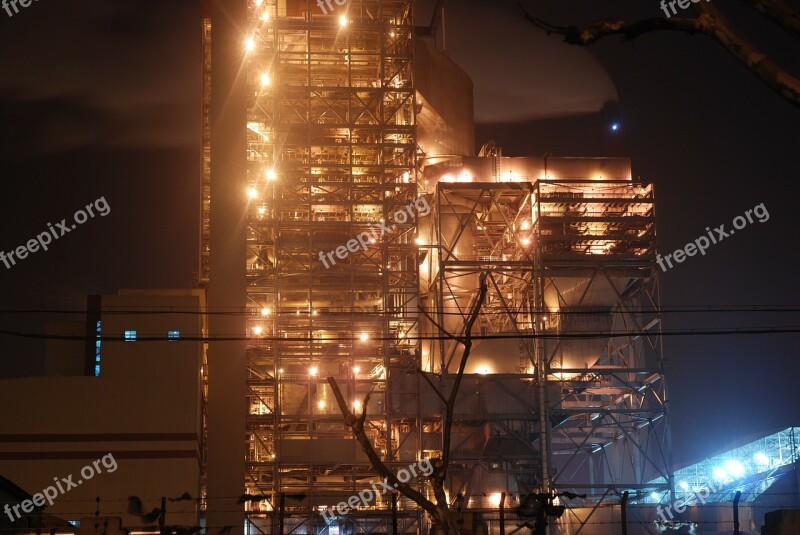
331,152
564,389
597,291
566,386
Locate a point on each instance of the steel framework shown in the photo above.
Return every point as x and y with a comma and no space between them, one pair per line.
565,388
569,379
597,291
331,155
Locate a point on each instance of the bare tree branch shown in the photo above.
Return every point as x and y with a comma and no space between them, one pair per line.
467,341
709,22
436,324
765,69
779,12
440,510
433,386
356,424
605,28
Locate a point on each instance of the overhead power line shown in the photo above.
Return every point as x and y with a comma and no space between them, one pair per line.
358,339
254,311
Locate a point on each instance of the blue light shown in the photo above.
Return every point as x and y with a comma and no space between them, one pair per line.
720,474
761,459
615,127
735,468
99,330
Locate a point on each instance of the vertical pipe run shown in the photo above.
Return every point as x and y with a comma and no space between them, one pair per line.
394,514
736,512
502,513
161,517
624,513
281,508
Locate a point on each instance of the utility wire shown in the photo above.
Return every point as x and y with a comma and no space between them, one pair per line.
254,311
518,336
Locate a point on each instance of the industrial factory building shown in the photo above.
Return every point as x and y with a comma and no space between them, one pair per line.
347,221
348,216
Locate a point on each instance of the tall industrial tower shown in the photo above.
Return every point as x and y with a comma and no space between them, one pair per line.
330,156
341,195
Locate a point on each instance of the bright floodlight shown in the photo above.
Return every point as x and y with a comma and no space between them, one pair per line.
313,370
271,174
357,405
257,330
321,404
252,193
265,311
342,21
356,369
495,498
249,44
761,459
735,468
720,474
684,485
654,495
363,337
614,127
265,79
526,241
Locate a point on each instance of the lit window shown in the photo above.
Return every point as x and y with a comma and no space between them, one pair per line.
98,328
173,336
130,336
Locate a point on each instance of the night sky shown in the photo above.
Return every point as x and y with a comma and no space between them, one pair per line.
101,99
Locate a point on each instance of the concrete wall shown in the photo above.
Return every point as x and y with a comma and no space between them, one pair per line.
446,122
65,357
143,409
227,287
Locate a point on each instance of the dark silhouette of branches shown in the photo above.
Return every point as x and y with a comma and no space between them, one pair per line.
440,510
709,22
